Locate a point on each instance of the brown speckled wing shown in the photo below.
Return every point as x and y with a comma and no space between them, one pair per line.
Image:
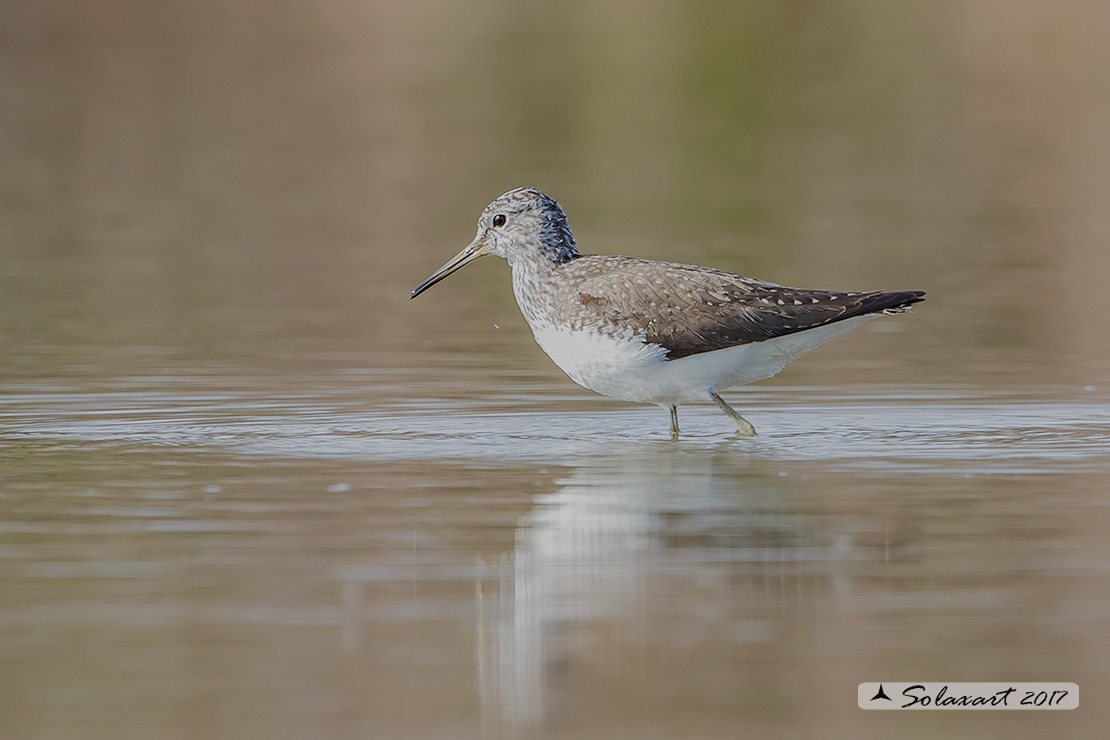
689,310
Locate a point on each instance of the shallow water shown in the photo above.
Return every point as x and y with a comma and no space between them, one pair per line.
249,489
184,554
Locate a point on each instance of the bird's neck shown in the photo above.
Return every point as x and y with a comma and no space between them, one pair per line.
533,280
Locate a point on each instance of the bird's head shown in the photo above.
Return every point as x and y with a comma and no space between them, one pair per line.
521,225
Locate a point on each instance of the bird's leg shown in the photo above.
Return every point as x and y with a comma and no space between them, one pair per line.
743,426
674,421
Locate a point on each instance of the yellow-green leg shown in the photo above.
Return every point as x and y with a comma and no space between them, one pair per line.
674,421
743,426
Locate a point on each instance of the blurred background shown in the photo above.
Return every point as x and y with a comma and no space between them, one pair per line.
233,178
249,489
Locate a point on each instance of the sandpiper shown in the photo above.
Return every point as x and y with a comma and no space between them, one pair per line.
654,332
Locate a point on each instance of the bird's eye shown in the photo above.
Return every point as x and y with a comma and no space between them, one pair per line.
499,219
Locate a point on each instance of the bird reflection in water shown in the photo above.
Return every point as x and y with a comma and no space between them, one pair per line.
636,557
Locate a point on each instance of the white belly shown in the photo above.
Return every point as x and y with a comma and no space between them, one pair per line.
629,369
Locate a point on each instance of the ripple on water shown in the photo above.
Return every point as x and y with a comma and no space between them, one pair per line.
907,431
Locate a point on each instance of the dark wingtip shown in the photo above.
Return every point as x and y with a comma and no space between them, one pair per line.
912,296
892,303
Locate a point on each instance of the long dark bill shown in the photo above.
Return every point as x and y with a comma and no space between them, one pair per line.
459,261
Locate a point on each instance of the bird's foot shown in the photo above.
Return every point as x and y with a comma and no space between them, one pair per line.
744,427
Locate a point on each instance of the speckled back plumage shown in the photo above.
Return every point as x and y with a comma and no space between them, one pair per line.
688,309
